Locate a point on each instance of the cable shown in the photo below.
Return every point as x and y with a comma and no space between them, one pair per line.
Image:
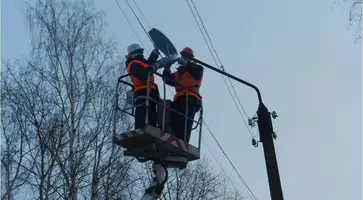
230,162
132,27
138,8
208,128
206,31
215,51
147,23
140,23
220,165
210,40
239,110
195,18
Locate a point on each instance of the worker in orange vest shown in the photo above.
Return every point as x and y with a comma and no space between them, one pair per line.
139,68
189,75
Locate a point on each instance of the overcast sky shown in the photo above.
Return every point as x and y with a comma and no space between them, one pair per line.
301,56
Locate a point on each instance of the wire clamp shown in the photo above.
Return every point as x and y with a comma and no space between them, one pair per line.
254,142
252,122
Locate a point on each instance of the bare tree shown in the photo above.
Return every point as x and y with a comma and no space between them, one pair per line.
198,181
355,17
63,93
13,149
57,122
44,130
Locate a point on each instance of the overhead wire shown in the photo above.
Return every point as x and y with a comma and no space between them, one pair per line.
202,23
140,22
220,165
215,51
221,64
132,27
229,160
143,16
206,125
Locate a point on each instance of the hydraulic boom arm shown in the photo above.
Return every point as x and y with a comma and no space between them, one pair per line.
157,185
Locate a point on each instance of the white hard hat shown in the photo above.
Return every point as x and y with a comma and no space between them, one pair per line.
134,47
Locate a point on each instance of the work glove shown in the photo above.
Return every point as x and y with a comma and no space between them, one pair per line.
156,51
181,61
167,61
155,66
167,64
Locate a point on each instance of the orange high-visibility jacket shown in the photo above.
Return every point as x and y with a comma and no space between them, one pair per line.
187,81
190,76
137,82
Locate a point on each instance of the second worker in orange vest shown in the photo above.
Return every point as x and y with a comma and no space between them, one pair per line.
189,75
139,68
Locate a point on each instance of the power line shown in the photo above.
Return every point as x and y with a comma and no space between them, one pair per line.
138,8
230,162
206,31
206,125
220,165
215,51
147,23
132,27
140,22
235,93
211,44
195,18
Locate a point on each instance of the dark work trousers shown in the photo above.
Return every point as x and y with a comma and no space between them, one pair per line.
178,121
140,110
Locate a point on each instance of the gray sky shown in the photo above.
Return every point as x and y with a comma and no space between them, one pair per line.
311,77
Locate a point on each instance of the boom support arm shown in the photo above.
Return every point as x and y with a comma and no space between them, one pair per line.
157,185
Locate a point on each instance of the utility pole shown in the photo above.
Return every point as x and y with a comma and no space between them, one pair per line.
266,136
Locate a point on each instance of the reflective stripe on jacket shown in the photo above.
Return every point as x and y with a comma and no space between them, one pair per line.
191,86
